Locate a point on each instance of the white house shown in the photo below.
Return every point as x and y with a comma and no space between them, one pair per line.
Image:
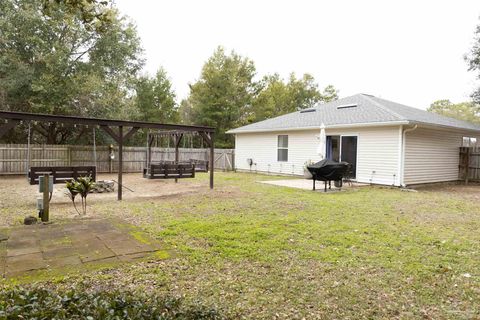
386,142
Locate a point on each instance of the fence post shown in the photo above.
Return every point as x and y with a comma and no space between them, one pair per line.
69,155
467,165
224,161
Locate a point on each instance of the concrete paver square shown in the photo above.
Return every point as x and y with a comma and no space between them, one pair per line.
114,235
22,251
26,262
124,247
3,236
60,245
64,261
98,254
15,243
58,252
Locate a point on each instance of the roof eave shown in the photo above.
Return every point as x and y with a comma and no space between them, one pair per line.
434,125
333,126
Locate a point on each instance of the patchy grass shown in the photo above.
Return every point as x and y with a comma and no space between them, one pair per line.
261,251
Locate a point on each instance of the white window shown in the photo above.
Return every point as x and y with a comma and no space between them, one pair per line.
282,151
469,142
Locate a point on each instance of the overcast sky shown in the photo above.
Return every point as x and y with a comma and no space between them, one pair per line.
406,51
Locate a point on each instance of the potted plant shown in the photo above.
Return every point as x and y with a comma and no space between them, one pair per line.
82,186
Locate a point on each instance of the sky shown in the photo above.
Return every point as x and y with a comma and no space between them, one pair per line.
411,52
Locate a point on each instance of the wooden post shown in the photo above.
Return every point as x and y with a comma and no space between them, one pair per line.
212,159
177,139
467,164
46,198
120,162
110,160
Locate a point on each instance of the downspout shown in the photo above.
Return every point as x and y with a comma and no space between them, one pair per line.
402,183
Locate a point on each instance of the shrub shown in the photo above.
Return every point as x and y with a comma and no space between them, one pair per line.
41,303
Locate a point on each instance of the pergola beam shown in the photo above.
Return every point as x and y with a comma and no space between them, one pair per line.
99,122
111,133
176,130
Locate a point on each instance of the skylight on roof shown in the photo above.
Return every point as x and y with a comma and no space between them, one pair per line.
347,106
308,110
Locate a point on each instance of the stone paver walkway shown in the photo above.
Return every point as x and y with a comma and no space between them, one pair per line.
54,246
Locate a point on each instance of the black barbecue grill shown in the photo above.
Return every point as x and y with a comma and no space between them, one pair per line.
328,171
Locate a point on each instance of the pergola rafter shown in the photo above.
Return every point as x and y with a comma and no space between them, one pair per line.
176,131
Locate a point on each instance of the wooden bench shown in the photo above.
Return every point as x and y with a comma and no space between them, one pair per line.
200,165
62,174
169,171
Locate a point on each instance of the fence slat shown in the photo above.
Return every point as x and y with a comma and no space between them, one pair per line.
13,157
469,166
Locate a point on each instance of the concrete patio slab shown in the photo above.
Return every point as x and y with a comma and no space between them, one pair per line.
308,185
60,245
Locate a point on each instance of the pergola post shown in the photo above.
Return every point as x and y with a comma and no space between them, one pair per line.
212,159
120,162
208,138
120,138
177,139
149,150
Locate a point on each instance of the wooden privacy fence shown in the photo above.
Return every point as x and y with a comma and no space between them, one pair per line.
14,157
469,166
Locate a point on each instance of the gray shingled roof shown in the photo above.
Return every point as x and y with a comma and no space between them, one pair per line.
368,110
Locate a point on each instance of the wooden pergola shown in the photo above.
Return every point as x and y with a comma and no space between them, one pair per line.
119,130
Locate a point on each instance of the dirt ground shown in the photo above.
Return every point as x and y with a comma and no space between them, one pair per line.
458,189
16,192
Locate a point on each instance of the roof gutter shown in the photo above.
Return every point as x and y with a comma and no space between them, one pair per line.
433,125
334,126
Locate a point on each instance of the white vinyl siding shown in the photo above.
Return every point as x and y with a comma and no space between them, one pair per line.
377,154
432,155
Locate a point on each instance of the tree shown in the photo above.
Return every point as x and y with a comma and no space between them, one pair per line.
473,59
95,14
223,95
278,97
155,99
467,111
186,112
51,61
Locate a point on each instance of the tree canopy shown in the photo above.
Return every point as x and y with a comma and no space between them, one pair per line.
223,95
467,111
82,58
473,59
278,97
155,99
51,61
227,95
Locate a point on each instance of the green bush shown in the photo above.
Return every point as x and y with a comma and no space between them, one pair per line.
41,303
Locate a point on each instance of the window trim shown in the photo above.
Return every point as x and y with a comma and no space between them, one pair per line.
468,142
281,148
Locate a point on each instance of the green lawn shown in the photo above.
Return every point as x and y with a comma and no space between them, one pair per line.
258,251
